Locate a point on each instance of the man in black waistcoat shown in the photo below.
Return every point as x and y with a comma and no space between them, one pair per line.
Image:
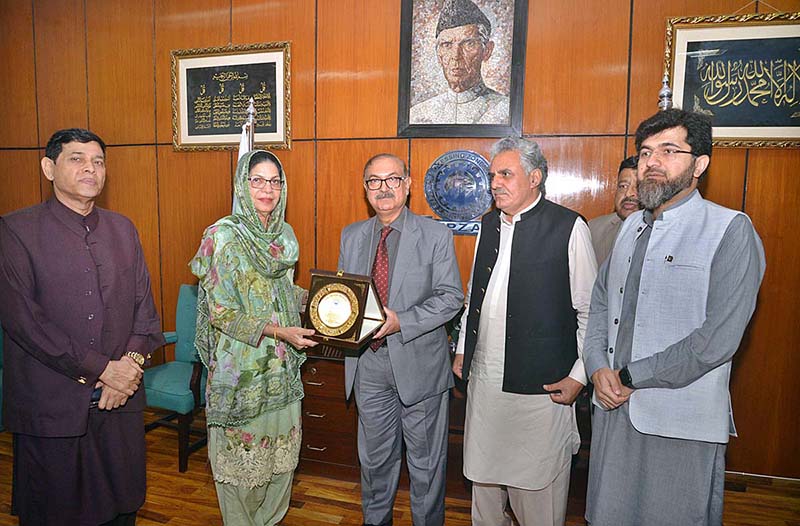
520,344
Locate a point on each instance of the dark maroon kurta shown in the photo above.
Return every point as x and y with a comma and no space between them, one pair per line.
74,294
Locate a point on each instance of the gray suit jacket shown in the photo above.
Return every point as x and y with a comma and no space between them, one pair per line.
424,290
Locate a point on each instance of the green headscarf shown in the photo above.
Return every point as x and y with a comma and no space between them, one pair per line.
272,250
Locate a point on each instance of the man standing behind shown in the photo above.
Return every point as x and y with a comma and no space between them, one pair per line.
80,321
401,380
521,339
462,47
626,201
668,313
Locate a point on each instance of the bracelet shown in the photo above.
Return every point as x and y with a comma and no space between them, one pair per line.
275,334
136,357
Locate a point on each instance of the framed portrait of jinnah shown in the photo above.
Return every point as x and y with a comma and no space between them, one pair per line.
462,66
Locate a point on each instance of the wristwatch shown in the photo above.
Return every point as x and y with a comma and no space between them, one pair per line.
136,357
625,378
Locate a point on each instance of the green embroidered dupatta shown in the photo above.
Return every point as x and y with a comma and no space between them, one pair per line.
246,281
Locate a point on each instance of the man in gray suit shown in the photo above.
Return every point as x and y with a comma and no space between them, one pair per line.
401,380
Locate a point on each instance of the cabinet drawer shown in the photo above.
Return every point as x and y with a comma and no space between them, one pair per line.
329,446
328,414
323,378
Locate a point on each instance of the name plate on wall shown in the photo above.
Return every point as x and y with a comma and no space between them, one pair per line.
457,188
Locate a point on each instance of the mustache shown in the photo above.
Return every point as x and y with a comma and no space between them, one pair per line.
499,191
387,194
651,171
630,200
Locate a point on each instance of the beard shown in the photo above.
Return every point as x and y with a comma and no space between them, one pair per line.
653,192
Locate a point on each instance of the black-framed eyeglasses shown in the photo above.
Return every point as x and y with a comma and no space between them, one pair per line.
666,154
391,182
259,183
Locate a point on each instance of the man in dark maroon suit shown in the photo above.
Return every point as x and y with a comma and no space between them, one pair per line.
80,321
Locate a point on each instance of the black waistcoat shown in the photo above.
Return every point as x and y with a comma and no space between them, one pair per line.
541,343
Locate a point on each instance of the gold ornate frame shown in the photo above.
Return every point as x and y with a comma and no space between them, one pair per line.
277,53
682,30
321,324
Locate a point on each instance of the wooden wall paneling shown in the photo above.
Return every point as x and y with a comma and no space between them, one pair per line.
132,191
19,179
298,163
764,385
649,37
17,75
423,153
194,190
340,192
60,66
576,70
771,6
258,21
724,180
184,24
582,172
120,66
357,70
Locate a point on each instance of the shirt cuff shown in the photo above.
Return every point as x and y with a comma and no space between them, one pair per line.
578,373
641,373
594,362
93,365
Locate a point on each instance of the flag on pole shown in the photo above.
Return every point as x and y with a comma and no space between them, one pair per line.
244,147
244,142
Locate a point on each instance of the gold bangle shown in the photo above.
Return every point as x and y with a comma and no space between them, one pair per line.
275,334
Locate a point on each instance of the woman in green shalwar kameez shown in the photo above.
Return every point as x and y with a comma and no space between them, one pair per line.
248,335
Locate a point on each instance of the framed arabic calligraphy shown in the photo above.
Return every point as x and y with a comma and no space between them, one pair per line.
211,89
743,71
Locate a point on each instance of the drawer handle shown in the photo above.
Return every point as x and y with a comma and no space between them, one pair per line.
315,384
319,449
315,415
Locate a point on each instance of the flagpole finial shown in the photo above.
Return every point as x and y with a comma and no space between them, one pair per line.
251,123
665,95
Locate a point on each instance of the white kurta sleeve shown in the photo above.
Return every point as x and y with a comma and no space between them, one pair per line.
582,273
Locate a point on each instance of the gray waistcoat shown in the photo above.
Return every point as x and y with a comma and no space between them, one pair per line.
671,304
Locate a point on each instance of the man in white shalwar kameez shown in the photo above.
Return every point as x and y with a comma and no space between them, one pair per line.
520,344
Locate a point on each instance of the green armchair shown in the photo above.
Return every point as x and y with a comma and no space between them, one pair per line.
179,386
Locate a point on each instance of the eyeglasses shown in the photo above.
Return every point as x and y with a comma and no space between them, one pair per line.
666,154
260,182
391,183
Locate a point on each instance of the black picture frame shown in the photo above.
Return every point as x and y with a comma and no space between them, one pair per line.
513,63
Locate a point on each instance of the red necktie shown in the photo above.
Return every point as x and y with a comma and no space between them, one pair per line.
380,275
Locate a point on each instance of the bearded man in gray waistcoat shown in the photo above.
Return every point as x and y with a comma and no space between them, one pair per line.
668,312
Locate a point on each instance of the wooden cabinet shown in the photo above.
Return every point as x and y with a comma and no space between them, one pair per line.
330,425
329,421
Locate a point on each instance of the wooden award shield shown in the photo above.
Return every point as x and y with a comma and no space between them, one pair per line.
344,310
